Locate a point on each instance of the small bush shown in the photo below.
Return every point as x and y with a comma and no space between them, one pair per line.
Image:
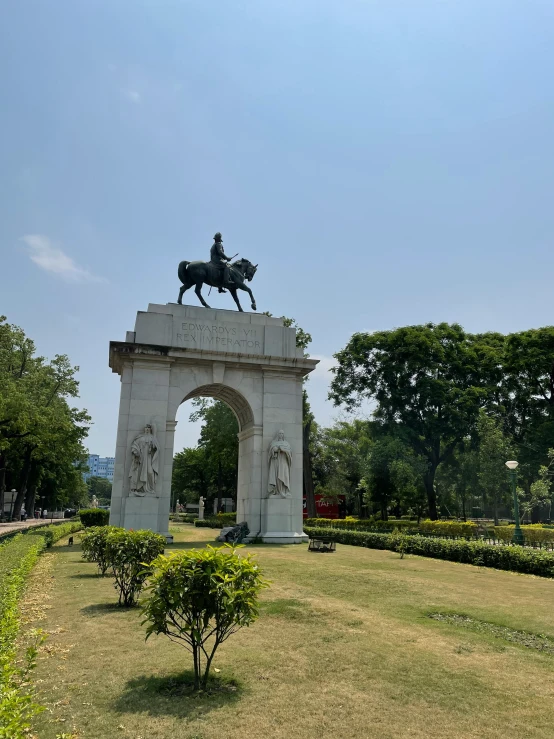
214,522
200,598
128,554
94,517
94,543
514,558
228,519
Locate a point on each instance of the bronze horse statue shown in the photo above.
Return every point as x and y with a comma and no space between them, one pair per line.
200,273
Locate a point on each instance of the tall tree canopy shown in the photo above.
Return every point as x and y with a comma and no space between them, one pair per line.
430,379
41,435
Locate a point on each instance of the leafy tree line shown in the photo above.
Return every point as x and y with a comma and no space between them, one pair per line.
458,404
101,487
449,408
41,435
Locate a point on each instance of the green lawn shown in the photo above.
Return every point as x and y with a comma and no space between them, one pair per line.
343,648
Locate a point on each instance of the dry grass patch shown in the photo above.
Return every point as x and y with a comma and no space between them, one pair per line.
344,648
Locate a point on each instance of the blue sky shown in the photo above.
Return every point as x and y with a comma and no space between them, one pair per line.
386,163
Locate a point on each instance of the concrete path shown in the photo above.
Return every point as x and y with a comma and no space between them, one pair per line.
6,528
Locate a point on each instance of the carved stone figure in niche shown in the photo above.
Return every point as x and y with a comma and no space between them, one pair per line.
280,460
144,465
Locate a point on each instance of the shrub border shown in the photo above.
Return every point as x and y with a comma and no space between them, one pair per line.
507,557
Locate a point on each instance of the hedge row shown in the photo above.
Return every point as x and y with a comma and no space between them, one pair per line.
216,522
210,523
511,557
361,524
448,528
17,557
183,517
535,535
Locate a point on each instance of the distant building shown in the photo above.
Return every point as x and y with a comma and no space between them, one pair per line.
99,467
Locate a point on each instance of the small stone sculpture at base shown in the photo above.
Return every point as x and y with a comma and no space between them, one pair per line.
234,534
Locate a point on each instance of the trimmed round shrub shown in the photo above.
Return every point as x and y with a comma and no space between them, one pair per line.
94,517
93,543
129,554
200,598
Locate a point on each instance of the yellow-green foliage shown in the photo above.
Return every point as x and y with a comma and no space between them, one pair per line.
448,528
362,524
202,596
17,557
535,535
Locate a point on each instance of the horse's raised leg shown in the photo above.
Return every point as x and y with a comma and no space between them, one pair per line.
183,290
198,291
233,291
249,291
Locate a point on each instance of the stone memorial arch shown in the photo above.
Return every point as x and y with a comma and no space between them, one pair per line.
249,361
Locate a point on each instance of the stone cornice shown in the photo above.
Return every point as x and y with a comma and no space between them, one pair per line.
251,431
124,352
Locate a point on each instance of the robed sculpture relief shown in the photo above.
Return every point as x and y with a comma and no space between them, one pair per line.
144,464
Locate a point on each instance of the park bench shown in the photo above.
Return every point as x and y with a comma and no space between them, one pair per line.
322,544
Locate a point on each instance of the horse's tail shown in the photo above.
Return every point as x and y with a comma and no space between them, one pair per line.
182,270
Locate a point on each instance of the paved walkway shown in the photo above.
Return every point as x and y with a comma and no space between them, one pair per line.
6,528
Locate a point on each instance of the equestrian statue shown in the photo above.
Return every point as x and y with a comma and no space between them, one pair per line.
217,273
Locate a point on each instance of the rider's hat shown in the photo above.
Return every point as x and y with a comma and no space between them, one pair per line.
218,237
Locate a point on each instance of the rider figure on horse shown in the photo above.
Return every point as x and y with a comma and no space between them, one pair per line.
219,260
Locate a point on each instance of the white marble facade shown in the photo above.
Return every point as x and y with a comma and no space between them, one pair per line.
248,360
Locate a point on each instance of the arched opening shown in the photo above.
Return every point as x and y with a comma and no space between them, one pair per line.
236,402
209,464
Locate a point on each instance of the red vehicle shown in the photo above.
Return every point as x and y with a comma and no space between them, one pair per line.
328,508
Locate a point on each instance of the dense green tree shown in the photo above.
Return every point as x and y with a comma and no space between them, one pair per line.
191,476
457,481
40,434
219,440
431,380
494,450
528,398
539,498
393,477
101,487
340,457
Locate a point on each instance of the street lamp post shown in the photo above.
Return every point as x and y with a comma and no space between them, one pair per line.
13,495
518,537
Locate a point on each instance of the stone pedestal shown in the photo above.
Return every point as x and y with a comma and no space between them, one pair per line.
249,361
281,522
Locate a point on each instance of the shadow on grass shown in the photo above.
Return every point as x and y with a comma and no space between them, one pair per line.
101,609
175,695
180,545
62,549
88,576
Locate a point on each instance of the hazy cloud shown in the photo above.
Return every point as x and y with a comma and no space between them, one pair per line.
52,259
132,95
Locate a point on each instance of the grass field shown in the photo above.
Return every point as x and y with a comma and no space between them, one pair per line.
344,648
